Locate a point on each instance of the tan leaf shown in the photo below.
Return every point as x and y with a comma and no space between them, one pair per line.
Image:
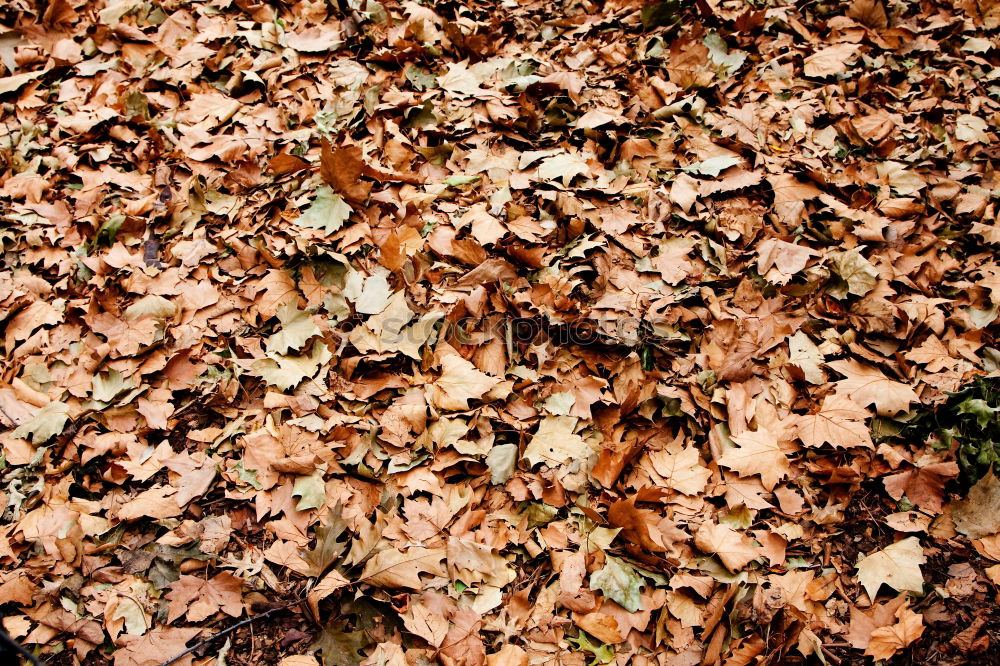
840,422
887,641
394,568
758,452
200,598
733,548
978,515
459,382
866,385
897,566
681,471
831,60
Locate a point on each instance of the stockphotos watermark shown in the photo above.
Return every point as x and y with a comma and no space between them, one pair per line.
607,330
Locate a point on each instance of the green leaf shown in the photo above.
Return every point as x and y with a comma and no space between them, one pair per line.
603,654
47,422
327,212
296,328
311,491
620,582
980,409
457,180
248,476
107,387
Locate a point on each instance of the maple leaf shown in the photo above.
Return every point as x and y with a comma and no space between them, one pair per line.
758,452
978,515
328,547
339,646
200,598
887,641
734,549
46,423
394,568
681,471
459,382
153,647
897,566
866,386
839,422
620,582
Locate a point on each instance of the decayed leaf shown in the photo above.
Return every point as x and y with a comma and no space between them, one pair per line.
897,566
758,452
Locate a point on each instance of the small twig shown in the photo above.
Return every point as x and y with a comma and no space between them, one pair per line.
20,649
219,634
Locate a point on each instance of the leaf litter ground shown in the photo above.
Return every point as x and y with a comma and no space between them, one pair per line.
499,333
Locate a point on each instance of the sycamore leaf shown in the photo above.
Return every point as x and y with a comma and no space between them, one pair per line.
620,582
200,598
564,167
866,386
978,515
311,490
459,382
758,452
733,548
831,60
423,622
154,646
46,423
806,356
556,443
897,566
288,371
327,585
887,641
392,568
840,422
859,273
681,471
328,545
501,460
296,328
328,211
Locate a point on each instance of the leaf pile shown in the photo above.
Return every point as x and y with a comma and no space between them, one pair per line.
499,333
